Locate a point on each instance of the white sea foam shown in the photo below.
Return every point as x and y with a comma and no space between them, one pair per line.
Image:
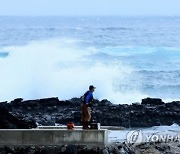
64,68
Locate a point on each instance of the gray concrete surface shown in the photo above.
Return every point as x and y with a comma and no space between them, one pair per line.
80,127
37,137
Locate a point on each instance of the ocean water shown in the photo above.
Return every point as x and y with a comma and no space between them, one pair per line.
170,134
126,58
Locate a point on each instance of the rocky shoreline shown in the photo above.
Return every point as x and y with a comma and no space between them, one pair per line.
120,148
19,114
52,111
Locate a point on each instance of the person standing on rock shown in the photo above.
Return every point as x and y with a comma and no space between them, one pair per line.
87,100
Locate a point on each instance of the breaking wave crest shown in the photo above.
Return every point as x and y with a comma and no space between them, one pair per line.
64,68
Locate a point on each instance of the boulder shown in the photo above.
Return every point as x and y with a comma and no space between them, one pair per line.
152,101
9,121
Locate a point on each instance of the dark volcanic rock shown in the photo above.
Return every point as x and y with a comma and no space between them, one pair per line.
51,111
65,149
8,121
152,101
118,148
17,100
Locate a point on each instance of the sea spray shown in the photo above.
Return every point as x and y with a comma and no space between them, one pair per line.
64,68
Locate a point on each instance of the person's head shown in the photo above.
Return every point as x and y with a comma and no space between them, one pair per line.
92,88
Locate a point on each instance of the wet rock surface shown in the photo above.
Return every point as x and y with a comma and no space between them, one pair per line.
52,111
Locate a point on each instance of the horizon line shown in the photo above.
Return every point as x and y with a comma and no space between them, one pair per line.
89,15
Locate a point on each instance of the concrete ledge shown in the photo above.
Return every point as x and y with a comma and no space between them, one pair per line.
40,137
80,127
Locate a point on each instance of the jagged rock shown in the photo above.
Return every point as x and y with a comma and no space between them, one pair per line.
152,101
120,148
9,121
17,101
105,102
51,111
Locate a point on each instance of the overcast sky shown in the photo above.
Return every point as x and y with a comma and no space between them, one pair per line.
89,7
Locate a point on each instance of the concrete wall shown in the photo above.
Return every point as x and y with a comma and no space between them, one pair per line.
36,137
